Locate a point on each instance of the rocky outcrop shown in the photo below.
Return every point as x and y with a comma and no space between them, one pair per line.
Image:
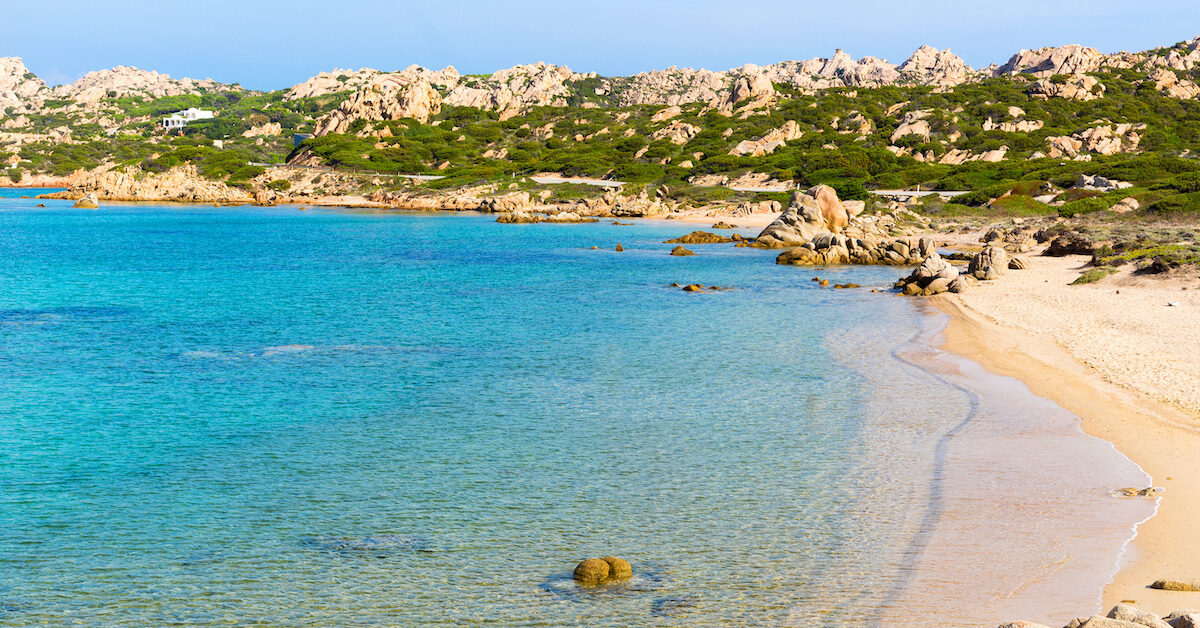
88,202
417,100
934,276
1075,87
17,83
1166,80
829,249
940,68
679,251
516,88
338,80
775,138
913,123
703,237
130,81
810,213
1046,62
1109,139
678,133
180,184
597,571
989,264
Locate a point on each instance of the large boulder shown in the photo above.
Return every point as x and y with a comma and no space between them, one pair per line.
88,202
934,276
700,237
810,213
1128,613
591,572
989,264
618,568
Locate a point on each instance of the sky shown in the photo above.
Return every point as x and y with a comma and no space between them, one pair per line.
273,44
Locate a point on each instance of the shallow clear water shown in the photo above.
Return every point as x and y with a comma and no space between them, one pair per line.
334,418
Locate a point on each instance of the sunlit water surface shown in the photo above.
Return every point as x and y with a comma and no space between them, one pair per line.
251,416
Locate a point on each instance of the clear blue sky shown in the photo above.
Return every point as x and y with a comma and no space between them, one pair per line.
271,44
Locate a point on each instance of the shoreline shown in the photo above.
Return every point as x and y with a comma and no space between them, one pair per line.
1078,364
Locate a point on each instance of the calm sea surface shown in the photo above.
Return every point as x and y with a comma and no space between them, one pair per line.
265,416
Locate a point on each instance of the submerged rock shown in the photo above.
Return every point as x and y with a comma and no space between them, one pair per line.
700,237
668,606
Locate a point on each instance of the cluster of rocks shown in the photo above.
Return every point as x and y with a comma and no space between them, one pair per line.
1125,616
417,100
1099,184
1106,139
596,571
934,276
523,217
181,184
705,237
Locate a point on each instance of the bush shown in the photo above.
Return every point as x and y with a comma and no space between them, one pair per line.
280,185
1086,205
1176,204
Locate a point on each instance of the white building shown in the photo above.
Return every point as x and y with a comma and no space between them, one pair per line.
180,119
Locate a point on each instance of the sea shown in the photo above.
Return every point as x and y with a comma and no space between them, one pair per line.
279,416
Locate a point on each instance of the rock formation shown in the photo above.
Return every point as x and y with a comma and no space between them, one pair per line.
182,183
417,100
17,83
1075,87
88,202
989,264
934,276
1046,62
810,213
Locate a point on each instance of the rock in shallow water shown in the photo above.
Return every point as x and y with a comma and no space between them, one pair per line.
381,543
591,572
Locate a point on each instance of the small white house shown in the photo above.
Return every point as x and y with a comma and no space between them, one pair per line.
180,119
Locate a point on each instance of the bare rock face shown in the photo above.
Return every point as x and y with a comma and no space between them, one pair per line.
1108,139
182,183
678,133
1077,87
810,213
929,66
913,123
1046,62
16,82
417,100
339,80
518,87
126,81
1166,80
775,138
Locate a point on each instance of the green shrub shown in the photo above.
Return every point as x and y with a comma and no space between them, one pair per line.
280,185
1093,275
1086,205
1176,204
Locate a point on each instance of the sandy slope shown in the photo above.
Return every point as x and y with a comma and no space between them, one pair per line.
1118,356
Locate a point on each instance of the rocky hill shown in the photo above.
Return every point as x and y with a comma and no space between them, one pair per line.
683,136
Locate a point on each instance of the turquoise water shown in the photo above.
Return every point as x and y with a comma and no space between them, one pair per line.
263,416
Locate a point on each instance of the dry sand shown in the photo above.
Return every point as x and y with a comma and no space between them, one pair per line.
1128,365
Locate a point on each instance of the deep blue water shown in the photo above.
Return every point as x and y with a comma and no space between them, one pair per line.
253,416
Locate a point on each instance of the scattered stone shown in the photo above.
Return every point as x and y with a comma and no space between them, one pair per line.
591,572
693,287
1173,304
1136,492
1184,619
679,251
1023,624
724,225
700,237
844,286
824,283
1176,585
619,248
41,204
519,218
1017,263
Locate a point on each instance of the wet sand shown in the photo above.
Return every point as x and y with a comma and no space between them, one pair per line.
1128,365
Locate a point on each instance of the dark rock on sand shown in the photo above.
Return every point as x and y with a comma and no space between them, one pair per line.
724,225
1176,585
1070,244
679,251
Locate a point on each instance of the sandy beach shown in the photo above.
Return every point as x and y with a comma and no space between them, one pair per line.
1116,354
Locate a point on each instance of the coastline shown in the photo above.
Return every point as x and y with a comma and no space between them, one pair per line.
1090,352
